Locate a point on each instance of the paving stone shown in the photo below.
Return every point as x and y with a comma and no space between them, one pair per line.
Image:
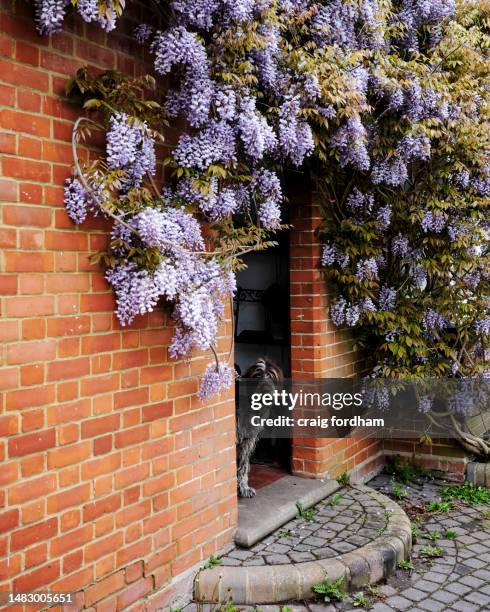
471,581
478,598
277,559
432,604
445,596
435,577
241,554
398,603
427,586
414,594
254,561
481,573
464,606
278,548
299,557
476,563
458,588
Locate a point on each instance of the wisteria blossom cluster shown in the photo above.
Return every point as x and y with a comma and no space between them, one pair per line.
387,103
407,240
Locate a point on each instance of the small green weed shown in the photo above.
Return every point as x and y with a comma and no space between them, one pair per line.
438,506
344,479
415,531
468,492
406,565
334,500
212,562
486,514
433,536
360,601
450,534
404,472
397,490
330,590
287,533
286,609
431,552
305,514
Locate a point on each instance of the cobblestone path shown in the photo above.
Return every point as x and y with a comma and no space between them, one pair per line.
450,557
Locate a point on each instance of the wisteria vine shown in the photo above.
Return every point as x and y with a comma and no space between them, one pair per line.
385,102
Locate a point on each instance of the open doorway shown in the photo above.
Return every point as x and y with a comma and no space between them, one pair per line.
262,329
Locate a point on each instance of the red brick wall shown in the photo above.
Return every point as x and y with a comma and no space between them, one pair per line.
114,478
318,349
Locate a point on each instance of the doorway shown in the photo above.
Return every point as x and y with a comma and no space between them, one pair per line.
262,329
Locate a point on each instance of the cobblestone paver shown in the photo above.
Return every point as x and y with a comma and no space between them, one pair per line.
345,522
456,581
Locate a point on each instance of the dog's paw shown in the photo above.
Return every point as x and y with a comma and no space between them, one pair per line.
246,492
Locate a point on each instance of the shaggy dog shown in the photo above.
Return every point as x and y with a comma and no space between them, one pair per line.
267,374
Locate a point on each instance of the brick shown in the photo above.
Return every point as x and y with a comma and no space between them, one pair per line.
26,216
20,75
68,368
9,520
8,144
103,588
157,411
31,489
28,262
66,413
8,191
66,499
26,352
38,578
29,398
36,555
29,101
30,306
96,427
27,170
35,533
32,419
71,541
29,147
99,508
134,592
10,567
104,546
8,238
135,551
9,425
132,436
69,455
32,374
31,443
134,397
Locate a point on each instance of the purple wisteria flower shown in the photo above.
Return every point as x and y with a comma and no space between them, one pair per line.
131,148
215,379
433,222
387,298
50,15
482,326
295,135
76,200
434,322
351,142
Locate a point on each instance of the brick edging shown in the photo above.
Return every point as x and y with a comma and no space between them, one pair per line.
280,583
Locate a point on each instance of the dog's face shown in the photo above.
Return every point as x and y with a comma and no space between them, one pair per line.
264,369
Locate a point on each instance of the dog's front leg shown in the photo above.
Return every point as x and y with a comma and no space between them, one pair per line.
244,452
